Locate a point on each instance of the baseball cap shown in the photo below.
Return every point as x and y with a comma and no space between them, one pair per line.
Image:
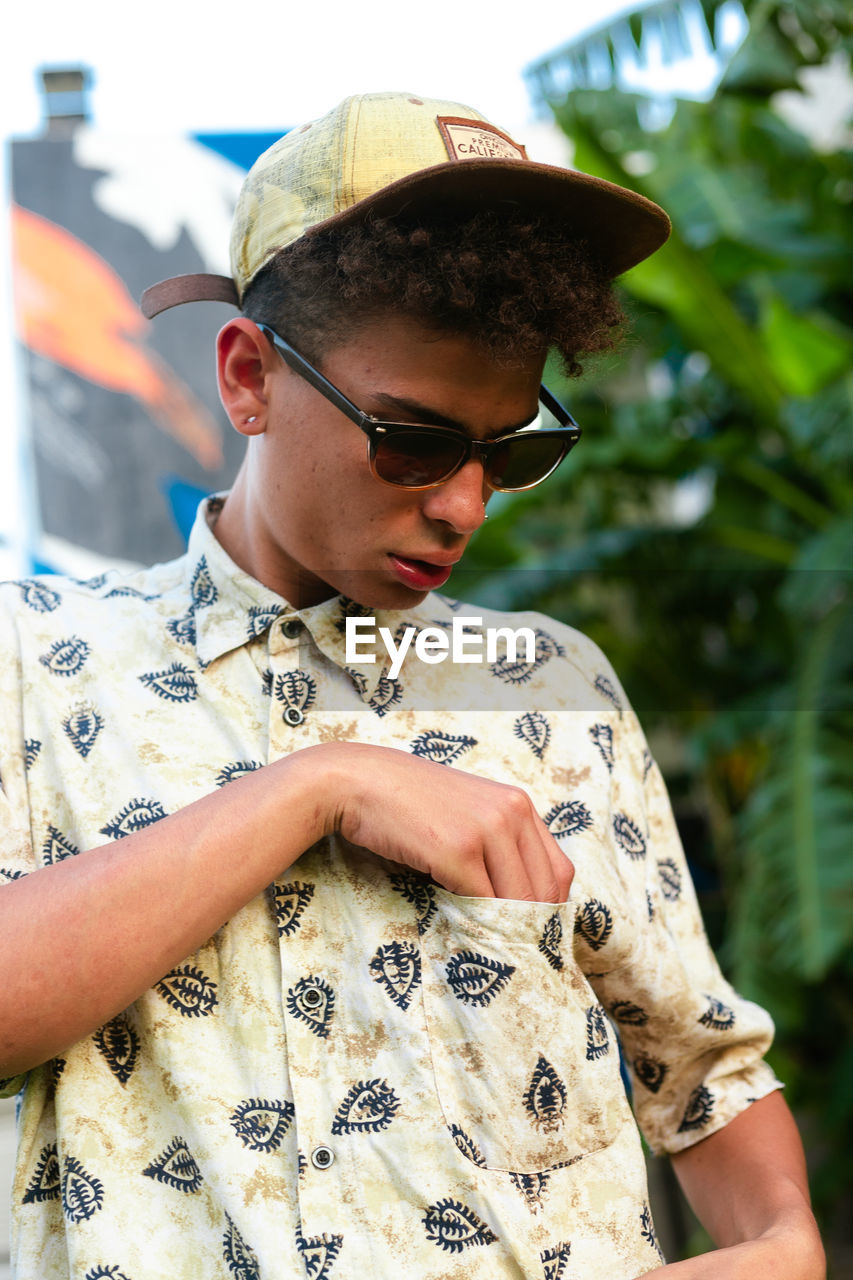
393,153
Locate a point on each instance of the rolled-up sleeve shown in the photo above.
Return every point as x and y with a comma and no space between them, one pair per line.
693,1047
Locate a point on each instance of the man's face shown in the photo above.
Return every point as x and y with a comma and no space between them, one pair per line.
318,522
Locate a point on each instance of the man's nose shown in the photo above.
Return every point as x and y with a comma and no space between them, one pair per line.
461,500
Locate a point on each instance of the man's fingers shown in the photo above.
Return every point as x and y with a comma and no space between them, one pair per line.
507,871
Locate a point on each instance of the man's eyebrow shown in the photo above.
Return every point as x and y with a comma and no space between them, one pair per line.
424,414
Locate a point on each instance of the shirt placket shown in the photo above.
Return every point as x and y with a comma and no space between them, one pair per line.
304,705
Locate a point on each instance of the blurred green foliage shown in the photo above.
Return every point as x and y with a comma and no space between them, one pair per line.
702,532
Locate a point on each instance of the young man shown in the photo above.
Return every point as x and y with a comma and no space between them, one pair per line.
314,961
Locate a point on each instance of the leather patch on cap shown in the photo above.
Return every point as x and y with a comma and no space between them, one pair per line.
476,140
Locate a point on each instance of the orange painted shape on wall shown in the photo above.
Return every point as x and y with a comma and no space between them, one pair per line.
72,308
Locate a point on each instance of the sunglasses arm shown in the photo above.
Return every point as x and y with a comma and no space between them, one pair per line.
314,378
559,411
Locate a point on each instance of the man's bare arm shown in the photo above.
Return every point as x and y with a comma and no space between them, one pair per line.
747,1185
81,940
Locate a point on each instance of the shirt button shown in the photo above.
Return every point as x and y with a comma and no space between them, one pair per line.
312,997
322,1157
293,715
291,628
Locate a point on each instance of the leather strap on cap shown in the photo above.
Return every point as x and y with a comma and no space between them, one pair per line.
191,288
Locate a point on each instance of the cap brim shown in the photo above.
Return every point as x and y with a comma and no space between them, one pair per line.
619,226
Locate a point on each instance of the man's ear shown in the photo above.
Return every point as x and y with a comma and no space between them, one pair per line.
244,363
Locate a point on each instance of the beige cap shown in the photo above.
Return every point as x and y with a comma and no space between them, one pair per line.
391,152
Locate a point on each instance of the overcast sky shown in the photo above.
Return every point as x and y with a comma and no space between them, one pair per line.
184,64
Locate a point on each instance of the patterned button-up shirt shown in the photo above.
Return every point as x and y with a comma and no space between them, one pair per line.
361,1075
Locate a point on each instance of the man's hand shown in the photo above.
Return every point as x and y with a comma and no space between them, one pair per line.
790,1254
747,1185
114,919
473,836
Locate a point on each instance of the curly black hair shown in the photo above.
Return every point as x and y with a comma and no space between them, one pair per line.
514,284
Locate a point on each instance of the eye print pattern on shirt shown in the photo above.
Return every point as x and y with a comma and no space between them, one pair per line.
647,1231
699,1109
32,747
318,1253
607,689
242,1262
350,609
106,1273
594,923
296,689
670,879
550,943
467,1146
718,1016
628,1013
475,978
534,730
386,695
202,587
545,1098
83,725
419,892
57,846
289,902
518,671
82,1192
38,597
189,991
602,736
129,592
533,1188
568,819
259,618
454,1227
629,837
237,769
66,657
369,1106
597,1039
396,966
133,817
119,1045
261,1124
183,629
175,684
312,1001
176,1167
443,748
45,1182
650,1072
554,1261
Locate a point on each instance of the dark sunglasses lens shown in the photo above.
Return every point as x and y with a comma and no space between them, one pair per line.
524,460
416,458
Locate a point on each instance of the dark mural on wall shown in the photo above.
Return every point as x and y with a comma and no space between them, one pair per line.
125,420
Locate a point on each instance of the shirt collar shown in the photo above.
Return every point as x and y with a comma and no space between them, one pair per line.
229,608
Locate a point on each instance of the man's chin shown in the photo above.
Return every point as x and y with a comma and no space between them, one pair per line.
383,596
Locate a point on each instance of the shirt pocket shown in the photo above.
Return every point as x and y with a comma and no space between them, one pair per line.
526,1064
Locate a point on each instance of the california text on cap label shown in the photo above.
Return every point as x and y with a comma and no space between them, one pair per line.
473,140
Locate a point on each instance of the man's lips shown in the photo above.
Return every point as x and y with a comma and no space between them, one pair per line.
421,573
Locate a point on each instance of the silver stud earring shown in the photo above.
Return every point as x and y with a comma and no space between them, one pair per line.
253,418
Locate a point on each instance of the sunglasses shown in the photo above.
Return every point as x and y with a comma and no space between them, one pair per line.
418,456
